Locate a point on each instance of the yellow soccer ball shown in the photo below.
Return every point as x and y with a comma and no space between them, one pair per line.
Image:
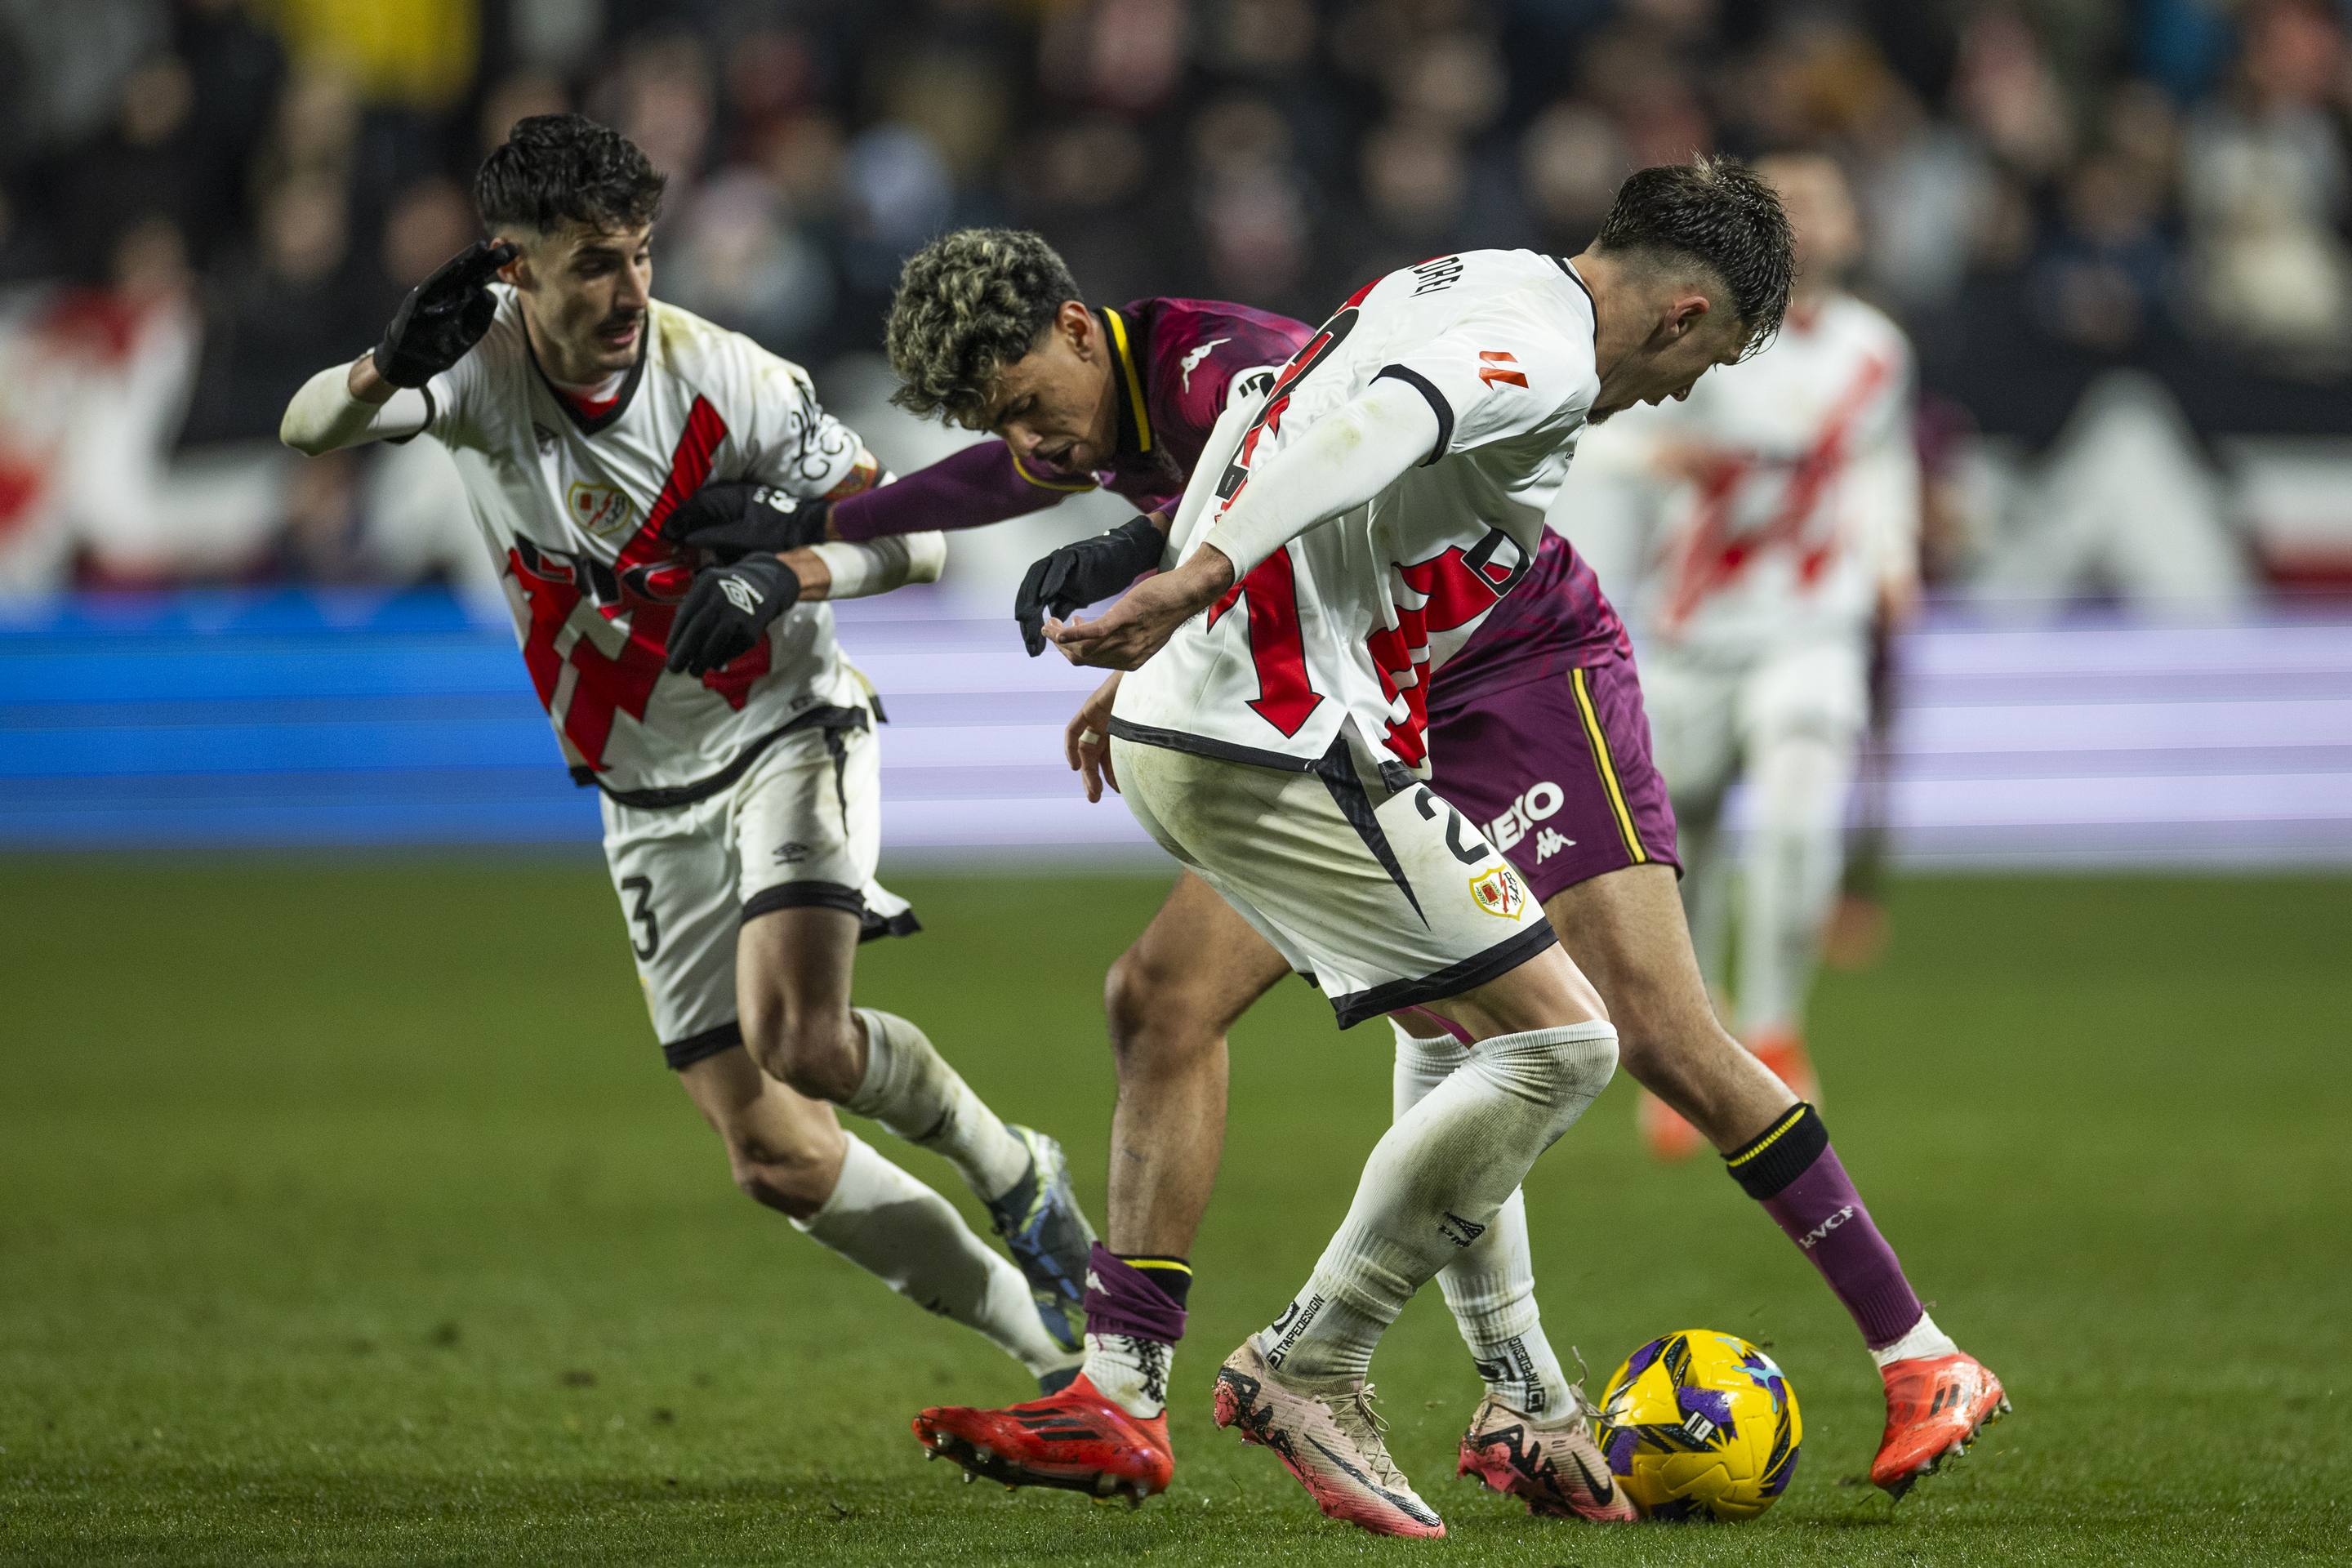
1700,1425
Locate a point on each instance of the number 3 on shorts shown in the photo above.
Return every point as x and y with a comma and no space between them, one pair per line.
643,913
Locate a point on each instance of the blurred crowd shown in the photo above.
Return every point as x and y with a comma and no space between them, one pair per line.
204,201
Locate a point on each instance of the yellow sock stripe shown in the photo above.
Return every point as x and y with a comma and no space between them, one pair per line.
1168,1262
1080,488
1134,385
1796,1114
1608,768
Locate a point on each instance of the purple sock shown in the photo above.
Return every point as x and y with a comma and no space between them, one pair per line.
1792,1170
1122,1298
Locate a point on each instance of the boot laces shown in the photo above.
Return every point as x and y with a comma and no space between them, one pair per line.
1364,1426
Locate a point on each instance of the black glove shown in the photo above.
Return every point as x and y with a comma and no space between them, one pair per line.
727,611
1077,576
737,518
442,316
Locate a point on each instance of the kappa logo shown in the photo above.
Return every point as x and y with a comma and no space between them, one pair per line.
543,437
599,509
791,854
1499,892
1191,361
1821,1232
1496,368
741,595
1550,842
1541,803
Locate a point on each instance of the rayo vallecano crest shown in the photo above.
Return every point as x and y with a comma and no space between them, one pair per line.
1499,892
599,509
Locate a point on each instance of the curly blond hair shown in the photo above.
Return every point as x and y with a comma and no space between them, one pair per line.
969,304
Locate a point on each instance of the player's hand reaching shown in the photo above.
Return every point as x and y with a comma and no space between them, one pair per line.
736,518
442,316
1140,623
1078,575
728,610
1086,740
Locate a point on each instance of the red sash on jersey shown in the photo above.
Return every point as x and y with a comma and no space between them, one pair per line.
648,579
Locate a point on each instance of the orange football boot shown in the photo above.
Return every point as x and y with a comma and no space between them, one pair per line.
1783,1051
1077,1439
1936,1406
1670,1137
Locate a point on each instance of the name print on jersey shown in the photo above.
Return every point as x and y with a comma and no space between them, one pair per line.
1438,273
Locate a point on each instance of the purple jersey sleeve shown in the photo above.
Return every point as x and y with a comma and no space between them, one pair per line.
1182,356
980,484
1197,347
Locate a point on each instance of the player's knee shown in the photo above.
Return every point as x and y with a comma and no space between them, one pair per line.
812,1052
1154,1019
792,1179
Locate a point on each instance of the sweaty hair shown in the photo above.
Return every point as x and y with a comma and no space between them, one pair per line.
969,304
555,170
1716,212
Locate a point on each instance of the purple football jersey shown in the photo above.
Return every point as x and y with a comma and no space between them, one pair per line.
1173,362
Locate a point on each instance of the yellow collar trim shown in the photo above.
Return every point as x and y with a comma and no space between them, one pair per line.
1134,385
1079,487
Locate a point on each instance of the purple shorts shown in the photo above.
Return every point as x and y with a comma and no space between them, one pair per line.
1556,773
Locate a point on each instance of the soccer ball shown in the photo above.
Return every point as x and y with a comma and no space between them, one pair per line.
1700,1425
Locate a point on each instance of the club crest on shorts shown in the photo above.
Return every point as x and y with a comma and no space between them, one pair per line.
1500,892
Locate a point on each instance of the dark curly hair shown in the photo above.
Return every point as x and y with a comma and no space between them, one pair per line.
554,170
968,304
1718,212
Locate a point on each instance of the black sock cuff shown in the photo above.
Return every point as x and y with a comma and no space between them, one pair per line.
1172,1276
1769,1161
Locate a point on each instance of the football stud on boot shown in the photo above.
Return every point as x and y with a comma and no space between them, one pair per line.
1936,1406
1329,1438
1553,1464
1077,1439
1048,1236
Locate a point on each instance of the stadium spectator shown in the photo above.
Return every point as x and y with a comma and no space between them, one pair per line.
2054,191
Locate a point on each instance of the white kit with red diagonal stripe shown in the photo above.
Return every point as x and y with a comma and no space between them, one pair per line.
1800,492
1337,633
571,497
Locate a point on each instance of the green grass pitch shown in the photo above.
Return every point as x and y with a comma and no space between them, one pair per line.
346,1216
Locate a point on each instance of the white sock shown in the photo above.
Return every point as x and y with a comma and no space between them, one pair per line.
1795,854
1922,1338
1491,1288
912,1239
1130,1372
1434,1185
910,1088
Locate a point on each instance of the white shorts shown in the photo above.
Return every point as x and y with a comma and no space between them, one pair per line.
1708,716
802,828
1380,894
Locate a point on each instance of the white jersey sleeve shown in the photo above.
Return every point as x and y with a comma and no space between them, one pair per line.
1328,637
1495,376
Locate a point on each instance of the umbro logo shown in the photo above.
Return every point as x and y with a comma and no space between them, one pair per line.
741,595
1459,1231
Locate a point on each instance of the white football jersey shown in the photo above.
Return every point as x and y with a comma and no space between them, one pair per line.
1814,499
1335,634
572,505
